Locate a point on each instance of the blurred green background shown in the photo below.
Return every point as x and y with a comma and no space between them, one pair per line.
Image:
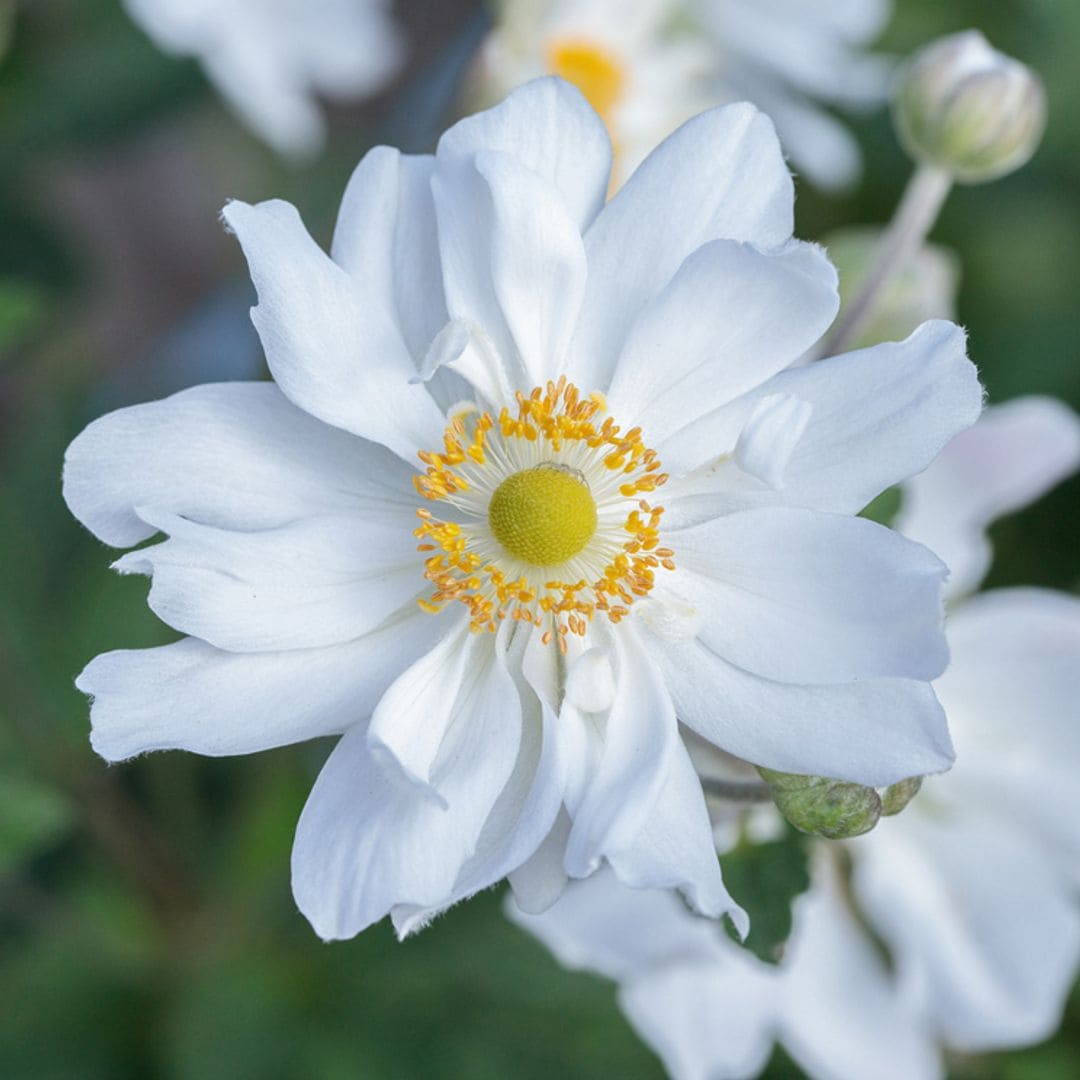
146,923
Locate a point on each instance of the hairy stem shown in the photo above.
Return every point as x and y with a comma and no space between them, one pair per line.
911,224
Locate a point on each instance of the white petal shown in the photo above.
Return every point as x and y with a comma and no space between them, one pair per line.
602,925
731,317
806,46
705,1021
337,355
770,437
720,176
590,682
805,597
820,148
270,60
700,1002
675,847
539,881
638,738
842,1015
1015,453
387,240
540,668
984,930
191,696
1011,694
527,810
549,127
513,262
232,455
316,581
526,816
879,416
872,731
414,715
537,264
367,843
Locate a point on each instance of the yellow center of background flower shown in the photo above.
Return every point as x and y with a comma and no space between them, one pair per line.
596,72
544,516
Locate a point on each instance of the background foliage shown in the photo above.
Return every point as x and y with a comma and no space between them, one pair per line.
146,923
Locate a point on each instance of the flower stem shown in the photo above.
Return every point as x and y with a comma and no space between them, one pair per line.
736,790
914,218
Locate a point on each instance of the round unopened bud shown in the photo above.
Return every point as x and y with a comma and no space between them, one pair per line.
834,809
968,109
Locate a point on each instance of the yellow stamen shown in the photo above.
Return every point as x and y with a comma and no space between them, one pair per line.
543,516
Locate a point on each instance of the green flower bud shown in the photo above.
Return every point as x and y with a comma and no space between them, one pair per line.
896,796
834,809
969,110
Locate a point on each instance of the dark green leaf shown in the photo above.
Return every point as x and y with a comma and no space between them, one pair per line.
765,879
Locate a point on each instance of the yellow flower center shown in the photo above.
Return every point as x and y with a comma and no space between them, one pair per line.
593,70
547,521
544,515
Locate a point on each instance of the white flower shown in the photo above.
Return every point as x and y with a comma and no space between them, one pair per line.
508,692
971,888
648,65
272,59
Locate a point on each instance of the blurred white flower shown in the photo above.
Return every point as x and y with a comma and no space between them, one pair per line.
507,691
272,59
648,65
972,888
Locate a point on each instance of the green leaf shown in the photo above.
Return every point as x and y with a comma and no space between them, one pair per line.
765,879
885,507
32,815
22,306
7,24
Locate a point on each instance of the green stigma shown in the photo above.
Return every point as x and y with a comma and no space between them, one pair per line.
544,515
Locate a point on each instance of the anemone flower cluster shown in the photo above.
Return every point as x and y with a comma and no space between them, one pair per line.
971,890
649,65
538,473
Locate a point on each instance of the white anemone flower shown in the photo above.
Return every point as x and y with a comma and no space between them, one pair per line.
972,888
439,532
648,65
272,59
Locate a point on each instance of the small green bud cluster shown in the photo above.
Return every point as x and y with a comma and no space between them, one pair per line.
968,109
835,809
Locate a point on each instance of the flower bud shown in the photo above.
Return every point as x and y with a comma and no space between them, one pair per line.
968,109
834,809
896,796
